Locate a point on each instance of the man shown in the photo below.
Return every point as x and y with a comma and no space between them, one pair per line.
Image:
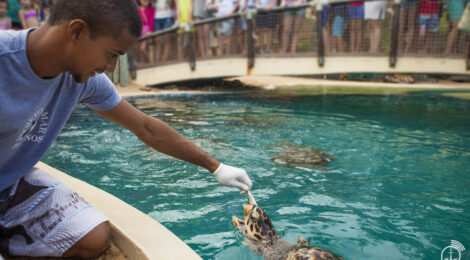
44,73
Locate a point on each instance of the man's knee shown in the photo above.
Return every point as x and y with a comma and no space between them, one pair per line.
92,244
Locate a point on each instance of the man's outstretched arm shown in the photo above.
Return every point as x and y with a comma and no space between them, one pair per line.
160,136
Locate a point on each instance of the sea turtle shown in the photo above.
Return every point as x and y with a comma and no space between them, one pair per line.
293,154
262,239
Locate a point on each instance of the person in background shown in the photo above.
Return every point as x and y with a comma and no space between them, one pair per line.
43,7
224,28
292,21
428,24
146,12
13,10
211,8
241,26
326,28
266,24
5,22
374,13
163,19
184,15
200,13
407,24
356,25
339,18
455,9
28,14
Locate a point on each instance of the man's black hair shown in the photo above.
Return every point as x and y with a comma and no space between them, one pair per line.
103,17
5,1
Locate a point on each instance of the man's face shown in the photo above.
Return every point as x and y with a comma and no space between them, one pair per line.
91,56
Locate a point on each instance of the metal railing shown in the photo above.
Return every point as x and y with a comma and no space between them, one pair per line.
318,29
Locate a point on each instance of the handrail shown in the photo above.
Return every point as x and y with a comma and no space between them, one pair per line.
224,18
245,13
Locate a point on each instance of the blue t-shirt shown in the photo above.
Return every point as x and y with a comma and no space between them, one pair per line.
34,110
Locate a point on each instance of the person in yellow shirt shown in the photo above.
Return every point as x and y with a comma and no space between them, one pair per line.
184,10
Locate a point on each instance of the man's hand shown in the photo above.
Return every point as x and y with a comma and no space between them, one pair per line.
233,177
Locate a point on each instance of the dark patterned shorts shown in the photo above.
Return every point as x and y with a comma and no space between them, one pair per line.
43,217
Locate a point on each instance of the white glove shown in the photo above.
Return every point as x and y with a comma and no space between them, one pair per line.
233,177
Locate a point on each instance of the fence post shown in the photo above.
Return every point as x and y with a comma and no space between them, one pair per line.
250,42
321,47
394,37
189,37
468,51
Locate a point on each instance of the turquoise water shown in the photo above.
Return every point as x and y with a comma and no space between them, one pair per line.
398,189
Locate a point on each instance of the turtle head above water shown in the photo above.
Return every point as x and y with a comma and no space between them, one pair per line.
256,225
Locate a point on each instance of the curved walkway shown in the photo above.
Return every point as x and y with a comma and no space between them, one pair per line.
298,66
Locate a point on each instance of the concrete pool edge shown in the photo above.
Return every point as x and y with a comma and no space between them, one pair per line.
285,82
135,233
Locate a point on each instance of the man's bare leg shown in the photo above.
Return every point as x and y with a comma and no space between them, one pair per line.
92,244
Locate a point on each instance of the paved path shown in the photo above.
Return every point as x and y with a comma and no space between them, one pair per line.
271,82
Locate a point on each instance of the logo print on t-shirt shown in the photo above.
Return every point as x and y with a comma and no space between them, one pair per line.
35,128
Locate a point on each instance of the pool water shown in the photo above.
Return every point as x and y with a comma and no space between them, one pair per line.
399,187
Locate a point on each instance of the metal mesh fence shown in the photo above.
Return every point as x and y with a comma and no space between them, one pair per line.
424,27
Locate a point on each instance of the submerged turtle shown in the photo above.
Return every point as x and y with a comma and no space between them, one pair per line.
302,155
262,239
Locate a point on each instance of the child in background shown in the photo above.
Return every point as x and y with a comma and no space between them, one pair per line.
292,22
163,19
455,9
242,26
356,26
5,22
184,14
224,28
147,13
211,8
374,13
326,28
340,15
428,23
28,14
44,9
266,24
408,19
200,13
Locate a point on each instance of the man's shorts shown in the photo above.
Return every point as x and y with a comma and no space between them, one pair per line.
40,216
428,22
